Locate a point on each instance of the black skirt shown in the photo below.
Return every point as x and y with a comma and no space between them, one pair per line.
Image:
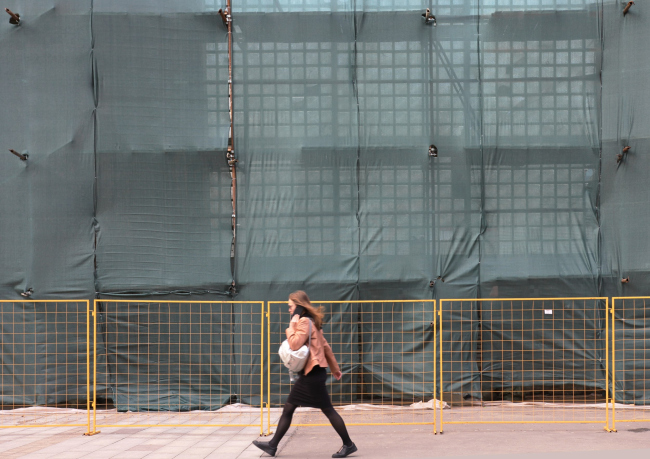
310,390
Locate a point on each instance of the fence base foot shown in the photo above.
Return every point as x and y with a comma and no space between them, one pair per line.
90,434
268,433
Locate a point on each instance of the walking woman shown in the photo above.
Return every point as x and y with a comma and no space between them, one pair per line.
310,389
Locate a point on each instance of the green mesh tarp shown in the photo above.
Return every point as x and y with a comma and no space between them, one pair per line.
44,350
181,356
122,107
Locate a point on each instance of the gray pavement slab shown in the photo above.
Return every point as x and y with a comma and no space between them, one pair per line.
460,441
125,443
485,441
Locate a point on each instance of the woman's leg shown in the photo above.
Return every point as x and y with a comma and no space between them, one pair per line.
283,424
337,422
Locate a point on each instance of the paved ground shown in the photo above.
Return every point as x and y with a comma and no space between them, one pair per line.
153,442
508,441
575,441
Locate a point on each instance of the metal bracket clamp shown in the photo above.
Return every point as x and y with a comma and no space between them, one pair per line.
429,19
15,17
230,157
627,8
23,157
225,16
621,156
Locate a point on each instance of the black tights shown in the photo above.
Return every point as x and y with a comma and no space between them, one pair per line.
287,414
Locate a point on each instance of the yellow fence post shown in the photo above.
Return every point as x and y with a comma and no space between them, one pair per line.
268,370
88,404
92,404
607,367
614,363
441,362
262,372
94,351
631,313
435,361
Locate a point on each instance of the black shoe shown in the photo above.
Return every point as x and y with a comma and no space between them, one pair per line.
345,451
268,449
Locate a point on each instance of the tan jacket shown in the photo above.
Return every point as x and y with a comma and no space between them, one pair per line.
320,352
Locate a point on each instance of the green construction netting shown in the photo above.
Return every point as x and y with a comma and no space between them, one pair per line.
122,107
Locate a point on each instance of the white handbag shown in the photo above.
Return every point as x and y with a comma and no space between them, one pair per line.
295,361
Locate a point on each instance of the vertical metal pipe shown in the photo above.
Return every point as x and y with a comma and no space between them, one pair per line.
230,156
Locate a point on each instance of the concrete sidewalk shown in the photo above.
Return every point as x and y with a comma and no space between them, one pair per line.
507,441
152,442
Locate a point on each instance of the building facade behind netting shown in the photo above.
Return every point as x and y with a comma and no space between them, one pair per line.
122,108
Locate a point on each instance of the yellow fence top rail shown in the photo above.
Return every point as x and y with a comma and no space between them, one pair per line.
45,301
361,301
528,299
175,302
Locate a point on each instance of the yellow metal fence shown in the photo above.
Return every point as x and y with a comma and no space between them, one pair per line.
45,371
128,363
524,360
179,364
386,351
631,359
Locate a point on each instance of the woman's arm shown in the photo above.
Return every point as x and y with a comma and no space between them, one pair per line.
298,332
331,360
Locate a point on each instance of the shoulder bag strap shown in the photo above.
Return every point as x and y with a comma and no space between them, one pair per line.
309,343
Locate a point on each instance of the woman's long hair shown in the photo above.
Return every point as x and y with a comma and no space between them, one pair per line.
300,298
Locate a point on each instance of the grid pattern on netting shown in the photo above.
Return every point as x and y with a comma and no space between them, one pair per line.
181,363
296,91
216,87
410,212
301,91
524,360
536,209
386,353
44,349
410,89
631,359
308,209
439,7
539,91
